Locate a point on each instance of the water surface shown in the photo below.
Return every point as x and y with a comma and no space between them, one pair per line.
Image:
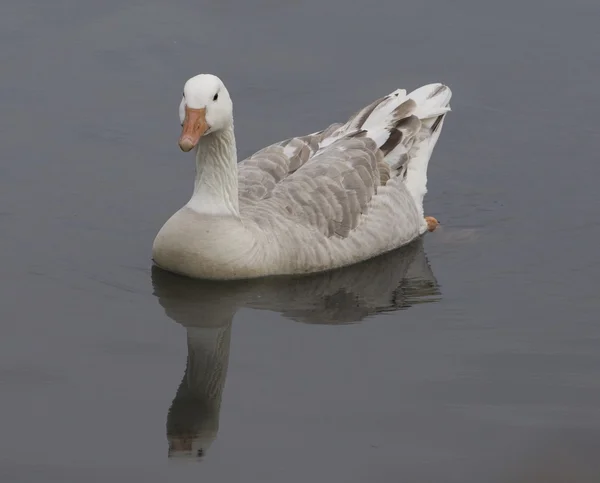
470,356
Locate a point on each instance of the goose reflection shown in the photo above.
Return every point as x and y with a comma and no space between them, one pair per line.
394,281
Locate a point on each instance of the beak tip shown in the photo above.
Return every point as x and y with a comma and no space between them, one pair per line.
194,127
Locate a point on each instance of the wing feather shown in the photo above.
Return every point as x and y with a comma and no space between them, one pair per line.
327,180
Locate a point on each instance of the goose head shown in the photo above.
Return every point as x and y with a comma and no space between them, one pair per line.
205,108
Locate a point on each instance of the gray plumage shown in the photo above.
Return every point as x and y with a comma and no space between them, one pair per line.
327,188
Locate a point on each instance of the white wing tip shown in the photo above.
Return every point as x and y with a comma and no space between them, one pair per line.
436,93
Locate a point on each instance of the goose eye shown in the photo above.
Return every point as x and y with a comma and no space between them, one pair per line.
216,97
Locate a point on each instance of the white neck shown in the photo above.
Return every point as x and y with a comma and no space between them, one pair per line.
216,184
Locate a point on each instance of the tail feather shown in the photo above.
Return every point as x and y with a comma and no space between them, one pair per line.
405,127
433,102
394,107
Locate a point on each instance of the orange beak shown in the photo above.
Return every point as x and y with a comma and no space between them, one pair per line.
194,127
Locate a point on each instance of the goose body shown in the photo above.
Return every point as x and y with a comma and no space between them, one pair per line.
307,204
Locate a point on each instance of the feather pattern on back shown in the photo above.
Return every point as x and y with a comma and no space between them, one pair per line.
327,180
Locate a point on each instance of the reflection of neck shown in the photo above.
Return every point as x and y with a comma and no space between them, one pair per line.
193,418
208,357
216,184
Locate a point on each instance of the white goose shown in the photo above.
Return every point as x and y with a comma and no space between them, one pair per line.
306,204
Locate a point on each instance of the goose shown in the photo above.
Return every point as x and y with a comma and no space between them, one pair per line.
307,204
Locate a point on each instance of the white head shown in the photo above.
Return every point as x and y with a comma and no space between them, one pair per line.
205,108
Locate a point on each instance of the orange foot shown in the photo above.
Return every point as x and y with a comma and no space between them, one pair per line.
432,223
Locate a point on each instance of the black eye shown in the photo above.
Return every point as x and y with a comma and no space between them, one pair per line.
216,97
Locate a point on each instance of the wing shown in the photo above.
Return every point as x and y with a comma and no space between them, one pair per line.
261,172
330,191
327,180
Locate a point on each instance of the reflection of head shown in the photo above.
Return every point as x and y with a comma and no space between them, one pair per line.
190,446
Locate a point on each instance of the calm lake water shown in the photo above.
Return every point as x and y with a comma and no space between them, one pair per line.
470,356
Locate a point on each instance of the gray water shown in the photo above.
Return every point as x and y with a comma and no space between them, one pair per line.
471,356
